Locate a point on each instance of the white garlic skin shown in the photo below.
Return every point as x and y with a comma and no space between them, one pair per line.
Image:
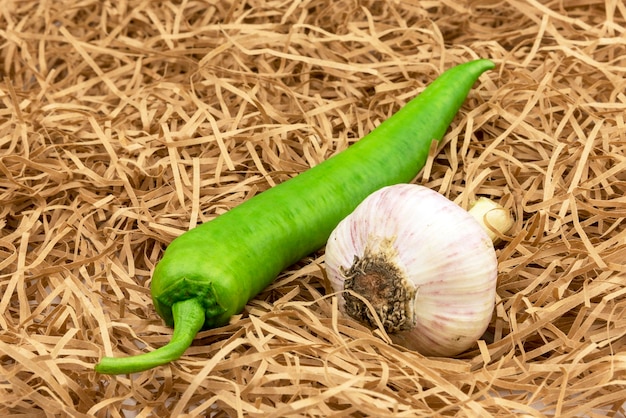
439,248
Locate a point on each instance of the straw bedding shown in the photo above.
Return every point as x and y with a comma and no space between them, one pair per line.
123,124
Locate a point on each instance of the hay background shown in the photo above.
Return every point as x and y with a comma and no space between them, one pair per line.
123,124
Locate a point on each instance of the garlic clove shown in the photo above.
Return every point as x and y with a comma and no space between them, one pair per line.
495,219
426,266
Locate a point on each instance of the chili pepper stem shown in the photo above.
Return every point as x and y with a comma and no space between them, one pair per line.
189,318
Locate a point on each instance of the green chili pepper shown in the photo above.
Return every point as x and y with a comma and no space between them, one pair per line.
209,273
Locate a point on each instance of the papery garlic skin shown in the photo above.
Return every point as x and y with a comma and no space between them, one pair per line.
442,256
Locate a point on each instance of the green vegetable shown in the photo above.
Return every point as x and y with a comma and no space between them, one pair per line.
210,272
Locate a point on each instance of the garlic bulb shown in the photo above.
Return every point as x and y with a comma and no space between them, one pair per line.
426,266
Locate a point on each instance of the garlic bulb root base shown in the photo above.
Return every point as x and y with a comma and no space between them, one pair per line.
376,279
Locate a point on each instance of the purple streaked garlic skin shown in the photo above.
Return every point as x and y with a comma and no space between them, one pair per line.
424,264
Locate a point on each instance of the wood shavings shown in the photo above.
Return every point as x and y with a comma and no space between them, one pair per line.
122,125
